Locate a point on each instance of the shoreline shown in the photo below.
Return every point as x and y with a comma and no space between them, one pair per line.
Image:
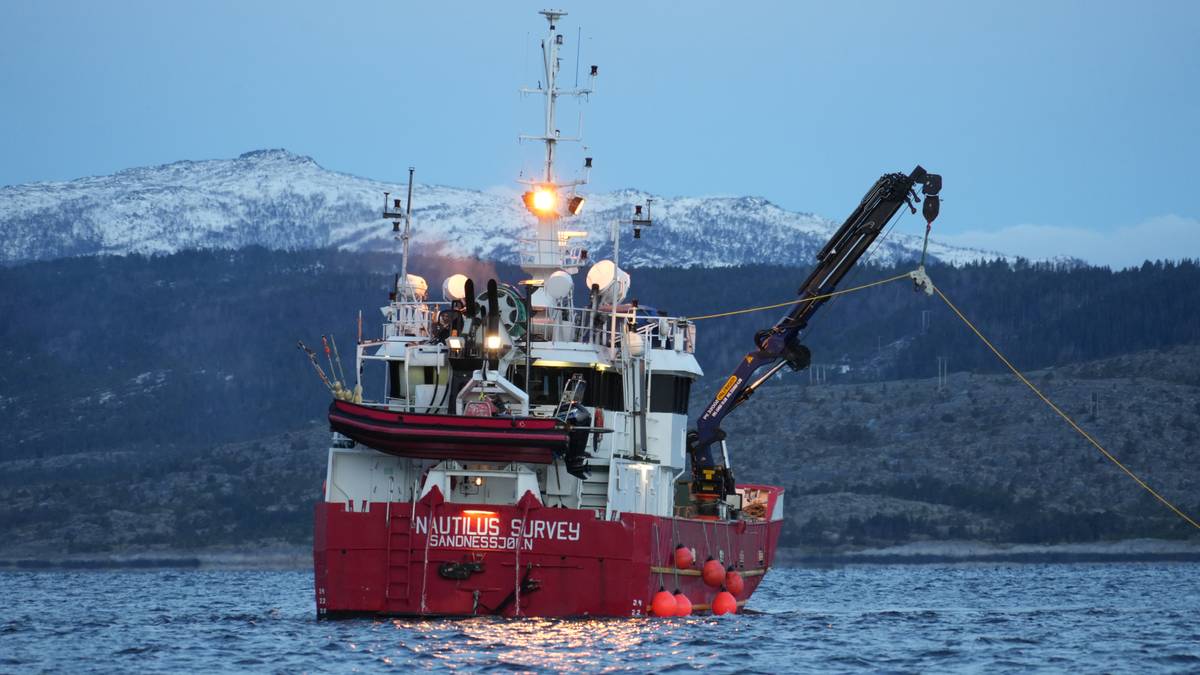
917,553
284,559
956,551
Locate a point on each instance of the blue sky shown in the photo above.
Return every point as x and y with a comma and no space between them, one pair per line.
1060,127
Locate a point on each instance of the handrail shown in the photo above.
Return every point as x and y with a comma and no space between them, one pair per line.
580,324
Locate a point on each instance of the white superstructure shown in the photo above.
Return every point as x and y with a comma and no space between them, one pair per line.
528,357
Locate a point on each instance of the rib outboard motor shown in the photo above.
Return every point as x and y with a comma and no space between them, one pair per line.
579,421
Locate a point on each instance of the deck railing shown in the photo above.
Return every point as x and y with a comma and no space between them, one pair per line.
558,252
573,324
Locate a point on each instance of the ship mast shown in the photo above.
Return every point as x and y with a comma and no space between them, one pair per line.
403,289
550,249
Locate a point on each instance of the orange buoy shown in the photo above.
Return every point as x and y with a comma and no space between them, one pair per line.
683,557
663,603
713,573
724,603
683,606
734,582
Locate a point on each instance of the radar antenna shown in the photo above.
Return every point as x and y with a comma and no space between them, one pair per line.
394,213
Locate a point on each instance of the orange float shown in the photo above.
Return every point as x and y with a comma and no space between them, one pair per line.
683,606
663,603
713,573
683,557
734,582
724,603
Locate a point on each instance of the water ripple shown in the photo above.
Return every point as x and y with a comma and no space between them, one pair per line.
1118,617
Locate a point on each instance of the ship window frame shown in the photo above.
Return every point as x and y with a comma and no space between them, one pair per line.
604,387
395,370
669,393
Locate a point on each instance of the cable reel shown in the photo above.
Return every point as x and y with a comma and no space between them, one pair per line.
512,309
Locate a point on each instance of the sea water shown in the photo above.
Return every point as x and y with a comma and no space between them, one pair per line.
1129,617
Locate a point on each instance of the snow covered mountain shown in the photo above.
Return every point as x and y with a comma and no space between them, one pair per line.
281,200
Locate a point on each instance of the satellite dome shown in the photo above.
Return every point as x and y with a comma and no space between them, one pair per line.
606,275
454,287
559,285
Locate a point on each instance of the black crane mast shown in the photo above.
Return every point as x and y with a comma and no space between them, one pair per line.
780,345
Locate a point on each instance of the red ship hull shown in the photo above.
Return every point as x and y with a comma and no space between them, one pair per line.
406,559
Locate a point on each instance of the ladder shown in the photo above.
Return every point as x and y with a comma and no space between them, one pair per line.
398,556
571,394
593,492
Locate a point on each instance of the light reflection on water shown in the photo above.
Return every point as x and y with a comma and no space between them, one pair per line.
556,644
1119,617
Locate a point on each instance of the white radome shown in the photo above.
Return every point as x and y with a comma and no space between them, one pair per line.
606,274
454,287
558,285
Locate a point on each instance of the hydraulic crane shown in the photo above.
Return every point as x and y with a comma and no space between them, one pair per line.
780,345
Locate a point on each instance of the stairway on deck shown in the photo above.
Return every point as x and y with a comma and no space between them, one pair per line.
594,491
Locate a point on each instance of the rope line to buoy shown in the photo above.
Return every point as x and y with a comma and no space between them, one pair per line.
676,542
517,561
1064,415
657,543
728,546
425,566
824,296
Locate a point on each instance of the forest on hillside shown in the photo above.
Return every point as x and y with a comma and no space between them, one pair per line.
199,347
1039,314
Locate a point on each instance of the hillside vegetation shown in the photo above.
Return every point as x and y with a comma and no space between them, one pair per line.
199,348
865,465
981,458
170,387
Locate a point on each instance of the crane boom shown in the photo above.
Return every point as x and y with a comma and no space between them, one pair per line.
779,345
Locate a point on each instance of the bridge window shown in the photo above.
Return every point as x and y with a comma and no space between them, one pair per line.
604,389
394,373
669,393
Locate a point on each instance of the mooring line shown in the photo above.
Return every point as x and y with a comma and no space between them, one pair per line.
824,296
1064,415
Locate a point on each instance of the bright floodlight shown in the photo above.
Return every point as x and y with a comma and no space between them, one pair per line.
492,343
541,201
544,199
454,342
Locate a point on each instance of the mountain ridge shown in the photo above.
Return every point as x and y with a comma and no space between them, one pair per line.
286,201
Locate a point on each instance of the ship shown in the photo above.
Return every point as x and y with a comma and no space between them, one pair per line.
524,450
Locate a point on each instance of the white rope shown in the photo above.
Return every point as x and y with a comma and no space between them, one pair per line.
655,554
728,545
425,568
517,563
676,542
